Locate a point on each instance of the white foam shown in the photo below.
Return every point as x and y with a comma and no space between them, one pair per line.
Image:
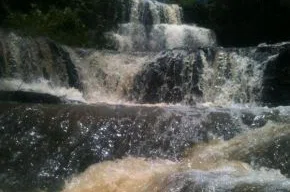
171,13
41,86
178,36
132,37
108,77
232,79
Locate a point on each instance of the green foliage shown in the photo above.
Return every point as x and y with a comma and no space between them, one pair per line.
72,22
61,25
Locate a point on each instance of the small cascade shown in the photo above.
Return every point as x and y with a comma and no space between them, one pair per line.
37,65
217,76
233,77
108,76
150,12
30,59
156,26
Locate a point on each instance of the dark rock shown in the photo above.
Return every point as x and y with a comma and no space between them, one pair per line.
253,120
29,97
174,77
33,97
221,124
259,74
276,80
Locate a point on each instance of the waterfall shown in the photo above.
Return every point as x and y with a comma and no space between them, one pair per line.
37,65
156,26
216,76
165,110
158,59
108,76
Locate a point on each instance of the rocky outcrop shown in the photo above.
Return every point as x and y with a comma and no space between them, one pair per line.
276,79
232,75
173,77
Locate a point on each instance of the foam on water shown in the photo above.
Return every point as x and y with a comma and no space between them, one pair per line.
132,36
179,36
158,12
156,26
108,77
41,86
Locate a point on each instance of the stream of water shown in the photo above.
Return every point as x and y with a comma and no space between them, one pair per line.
167,110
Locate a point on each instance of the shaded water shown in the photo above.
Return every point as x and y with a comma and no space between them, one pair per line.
167,110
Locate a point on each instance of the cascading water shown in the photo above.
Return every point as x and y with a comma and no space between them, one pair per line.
190,72
108,76
37,65
155,26
124,134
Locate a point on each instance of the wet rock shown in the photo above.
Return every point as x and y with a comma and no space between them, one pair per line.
29,97
264,147
33,97
221,124
41,145
276,156
174,77
253,120
276,80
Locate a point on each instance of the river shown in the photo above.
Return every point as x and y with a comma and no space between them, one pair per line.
166,110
